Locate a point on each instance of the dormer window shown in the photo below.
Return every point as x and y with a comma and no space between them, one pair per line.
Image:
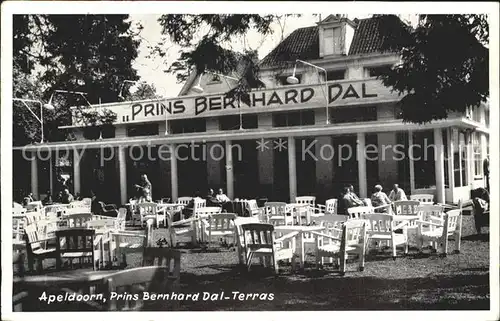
332,43
335,35
214,79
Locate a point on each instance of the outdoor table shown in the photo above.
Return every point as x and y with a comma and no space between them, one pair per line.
299,245
64,277
236,208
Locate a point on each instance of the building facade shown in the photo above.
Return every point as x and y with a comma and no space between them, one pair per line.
333,128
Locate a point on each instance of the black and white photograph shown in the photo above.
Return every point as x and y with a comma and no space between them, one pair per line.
250,156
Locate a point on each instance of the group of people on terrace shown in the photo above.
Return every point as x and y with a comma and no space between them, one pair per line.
378,198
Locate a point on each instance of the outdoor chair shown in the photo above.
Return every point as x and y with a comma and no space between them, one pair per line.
326,221
220,226
140,281
201,214
124,242
259,242
184,200
431,213
18,243
357,212
275,214
450,226
149,210
309,200
423,198
381,227
330,206
37,247
78,220
481,213
407,208
78,244
349,240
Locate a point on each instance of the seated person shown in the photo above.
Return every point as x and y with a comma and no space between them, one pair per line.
350,199
211,199
380,198
187,211
66,197
221,197
48,199
397,194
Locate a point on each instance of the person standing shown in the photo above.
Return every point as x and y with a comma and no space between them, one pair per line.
486,171
145,189
397,194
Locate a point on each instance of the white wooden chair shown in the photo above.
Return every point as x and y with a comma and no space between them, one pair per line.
431,213
220,226
34,206
451,226
309,200
357,212
254,208
78,220
326,221
259,242
18,211
423,198
149,210
381,227
342,242
18,242
76,243
275,213
137,281
331,206
203,213
37,247
240,243
123,242
184,200
408,208
121,219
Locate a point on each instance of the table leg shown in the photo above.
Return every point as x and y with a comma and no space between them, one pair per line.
301,249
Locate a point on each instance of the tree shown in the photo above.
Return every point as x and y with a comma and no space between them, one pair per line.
444,66
84,53
142,92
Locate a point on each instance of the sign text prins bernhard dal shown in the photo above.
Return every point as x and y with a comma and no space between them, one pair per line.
340,93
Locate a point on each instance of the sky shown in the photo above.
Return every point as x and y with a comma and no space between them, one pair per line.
152,70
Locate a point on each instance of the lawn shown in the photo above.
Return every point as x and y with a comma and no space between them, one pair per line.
417,281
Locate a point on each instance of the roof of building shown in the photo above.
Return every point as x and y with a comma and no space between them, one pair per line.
303,43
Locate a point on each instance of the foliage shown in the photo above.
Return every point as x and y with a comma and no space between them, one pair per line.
213,51
142,92
83,53
444,66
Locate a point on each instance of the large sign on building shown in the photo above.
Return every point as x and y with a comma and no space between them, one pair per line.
285,98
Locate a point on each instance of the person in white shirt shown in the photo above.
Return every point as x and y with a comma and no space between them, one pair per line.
221,197
397,194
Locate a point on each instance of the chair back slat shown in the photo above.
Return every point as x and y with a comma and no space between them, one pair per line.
331,206
451,220
222,222
380,224
78,220
309,200
423,198
406,207
274,209
76,240
257,235
357,212
184,200
353,232
164,257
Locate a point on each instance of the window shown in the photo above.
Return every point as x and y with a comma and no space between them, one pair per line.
183,126
424,159
294,118
282,80
233,122
460,160
377,71
476,150
142,130
331,41
352,114
335,74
